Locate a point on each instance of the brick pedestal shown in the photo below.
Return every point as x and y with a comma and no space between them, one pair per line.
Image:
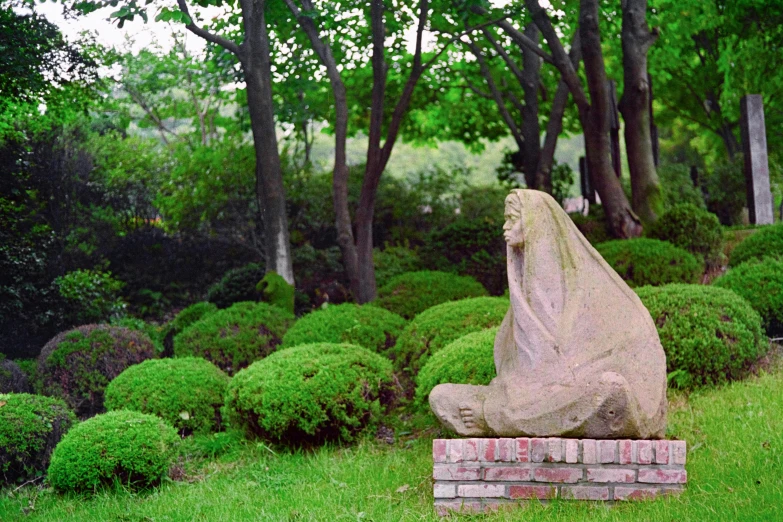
483,474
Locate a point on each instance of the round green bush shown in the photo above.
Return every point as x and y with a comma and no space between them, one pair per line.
693,229
393,261
182,320
77,365
710,335
235,337
30,428
412,293
760,282
12,378
372,327
468,360
120,447
436,327
152,331
653,262
767,242
310,394
237,285
186,392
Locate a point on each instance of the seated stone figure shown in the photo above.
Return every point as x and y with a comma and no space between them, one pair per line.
577,355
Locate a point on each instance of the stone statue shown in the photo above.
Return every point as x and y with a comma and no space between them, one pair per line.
577,354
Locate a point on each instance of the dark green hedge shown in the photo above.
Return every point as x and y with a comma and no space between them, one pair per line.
760,282
645,261
411,293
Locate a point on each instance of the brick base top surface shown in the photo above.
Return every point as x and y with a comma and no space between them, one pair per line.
475,475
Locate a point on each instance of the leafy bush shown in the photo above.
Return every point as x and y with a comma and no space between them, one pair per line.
140,325
593,226
235,337
76,365
653,262
767,242
393,261
436,327
371,327
187,392
468,360
412,293
236,285
470,247
677,187
120,447
311,393
275,290
12,378
710,335
182,320
725,191
760,282
30,428
92,296
692,228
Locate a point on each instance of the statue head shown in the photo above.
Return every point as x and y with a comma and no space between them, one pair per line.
513,230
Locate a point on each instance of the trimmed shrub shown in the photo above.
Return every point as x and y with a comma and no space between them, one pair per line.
767,242
393,261
12,378
710,335
470,247
371,327
77,365
438,326
412,293
693,229
235,337
153,332
643,261
236,285
187,393
275,290
92,296
310,394
760,282
182,320
120,447
468,360
30,428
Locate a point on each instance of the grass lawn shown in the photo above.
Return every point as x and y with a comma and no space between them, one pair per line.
735,468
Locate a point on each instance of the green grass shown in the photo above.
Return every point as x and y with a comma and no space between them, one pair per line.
735,442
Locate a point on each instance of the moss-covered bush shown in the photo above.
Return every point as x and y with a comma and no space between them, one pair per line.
120,447
78,364
237,285
760,282
30,428
186,392
235,337
693,229
275,290
436,327
182,320
12,378
412,293
767,242
371,327
653,262
468,360
311,393
710,335
153,332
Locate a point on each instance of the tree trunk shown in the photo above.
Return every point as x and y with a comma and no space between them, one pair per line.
255,59
595,123
636,39
531,129
729,140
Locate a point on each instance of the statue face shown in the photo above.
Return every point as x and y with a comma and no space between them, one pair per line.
513,232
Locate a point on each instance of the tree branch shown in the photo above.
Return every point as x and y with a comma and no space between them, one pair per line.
206,35
516,35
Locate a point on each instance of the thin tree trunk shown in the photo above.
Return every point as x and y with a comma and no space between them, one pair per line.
634,105
531,129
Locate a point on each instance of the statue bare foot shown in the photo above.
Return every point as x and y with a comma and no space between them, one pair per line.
461,408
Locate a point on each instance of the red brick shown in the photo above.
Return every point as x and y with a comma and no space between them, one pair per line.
555,450
557,475
661,451
538,450
481,490
541,492
589,452
644,453
444,491
470,450
585,492
611,475
625,451
446,507
571,451
506,450
488,450
503,473
439,450
455,450
632,493
523,449
606,450
663,476
456,472
678,452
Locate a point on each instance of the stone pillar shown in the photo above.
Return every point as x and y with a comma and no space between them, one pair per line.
584,181
754,147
